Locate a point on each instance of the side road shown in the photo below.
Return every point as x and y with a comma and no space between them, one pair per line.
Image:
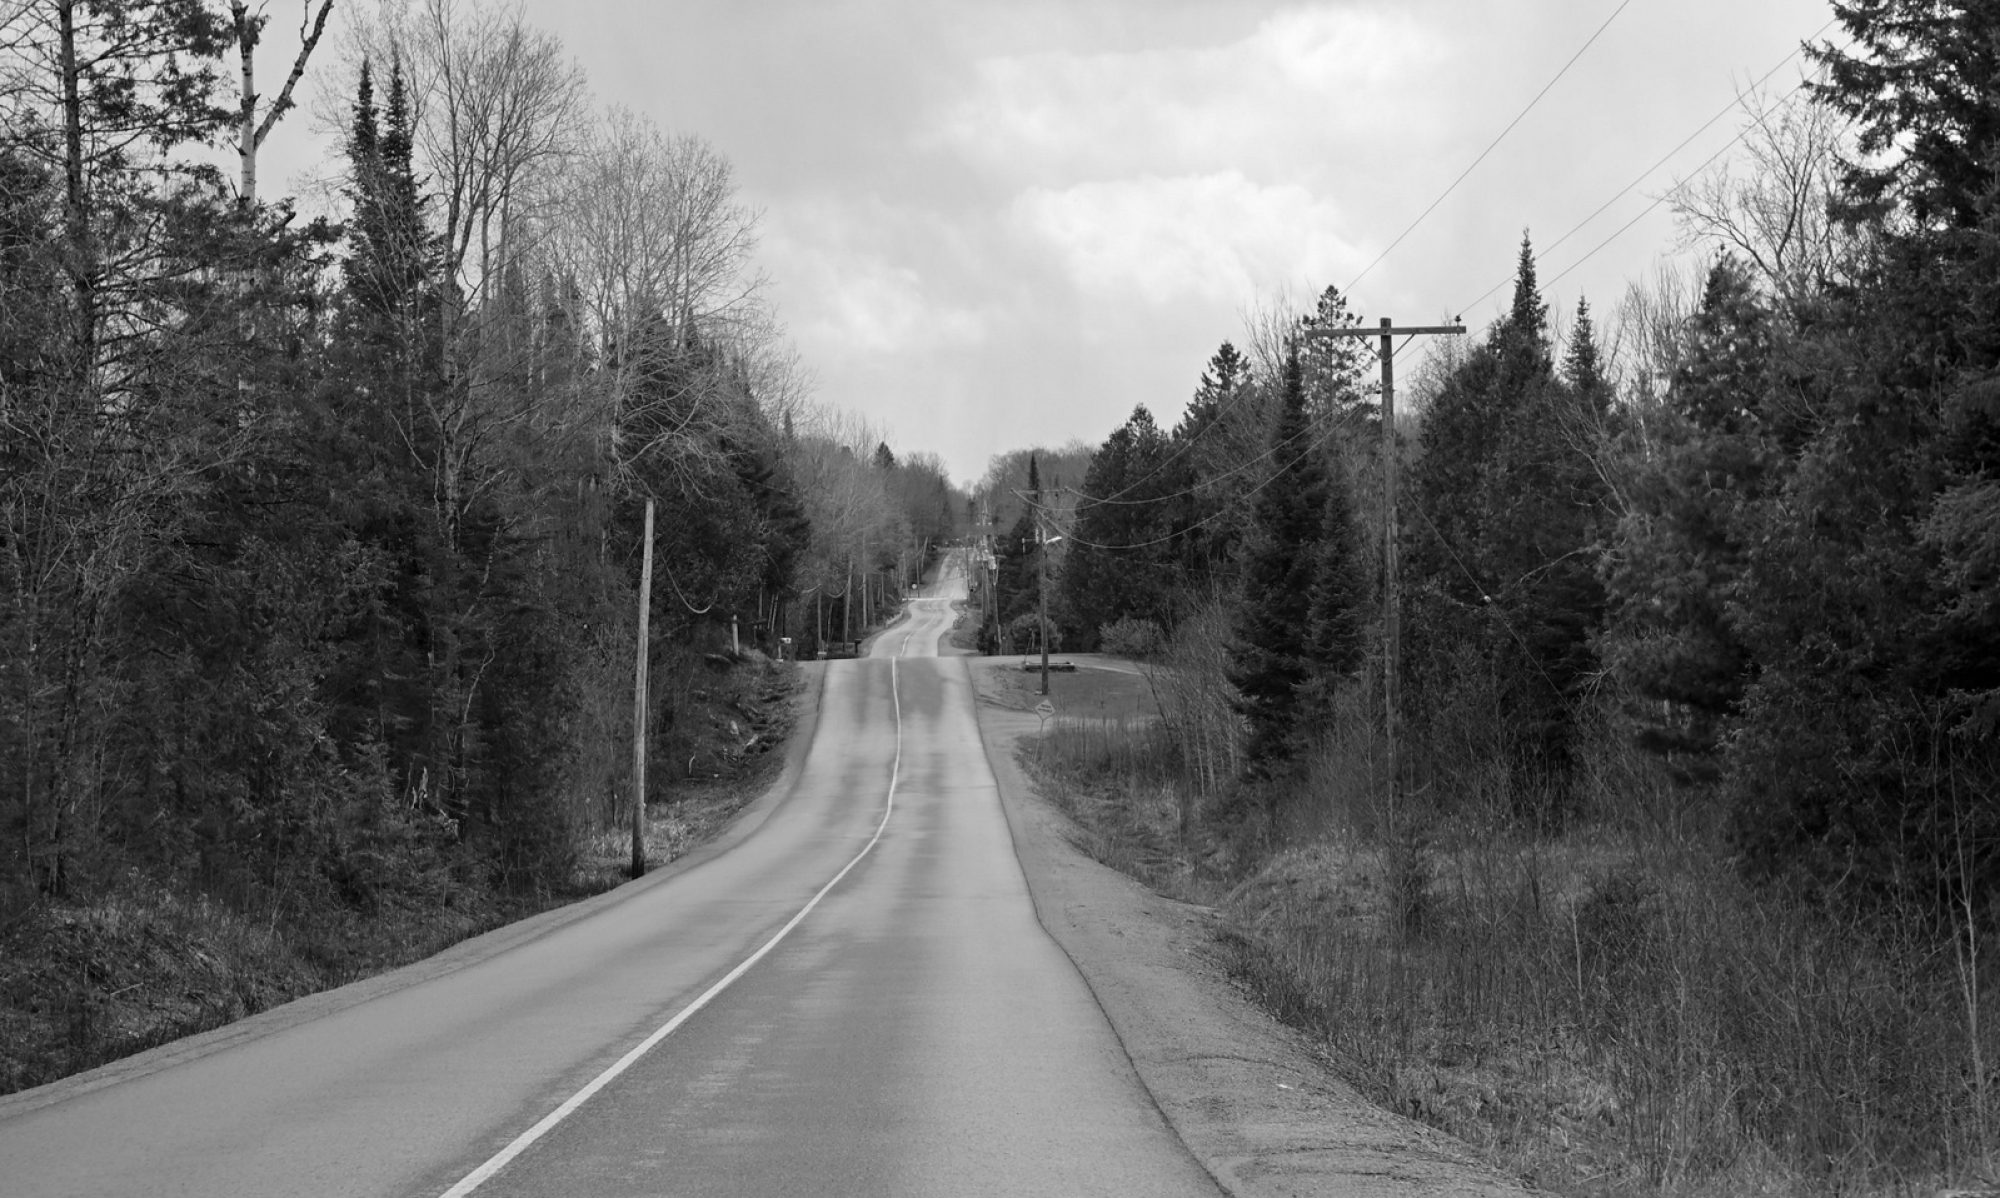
1245,1094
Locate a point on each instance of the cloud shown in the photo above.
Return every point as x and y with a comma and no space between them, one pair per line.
848,285
1279,99
1217,237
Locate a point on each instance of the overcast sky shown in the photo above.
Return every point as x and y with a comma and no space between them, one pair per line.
997,223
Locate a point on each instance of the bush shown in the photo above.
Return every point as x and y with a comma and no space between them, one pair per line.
1021,633
1129,637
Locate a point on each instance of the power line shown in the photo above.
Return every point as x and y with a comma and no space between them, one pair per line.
1489,146
1730,145
1724,111
1789,95
1332,430
1117,497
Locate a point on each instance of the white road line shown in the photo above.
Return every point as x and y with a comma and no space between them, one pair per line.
499,1160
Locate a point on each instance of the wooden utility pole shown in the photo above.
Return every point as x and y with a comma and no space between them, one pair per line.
639,703
1042,562
1392,618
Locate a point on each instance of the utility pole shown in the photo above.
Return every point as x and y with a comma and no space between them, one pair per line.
639,704
1042,593
1392,618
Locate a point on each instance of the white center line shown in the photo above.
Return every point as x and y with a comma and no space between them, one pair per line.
484,1173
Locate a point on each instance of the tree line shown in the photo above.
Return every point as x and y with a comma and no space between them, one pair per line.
319,537
1753,529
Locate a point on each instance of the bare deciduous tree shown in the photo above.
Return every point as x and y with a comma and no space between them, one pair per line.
655,247
1772,209
497,108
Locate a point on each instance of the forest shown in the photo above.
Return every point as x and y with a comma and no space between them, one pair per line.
319,537
320,545
1682,873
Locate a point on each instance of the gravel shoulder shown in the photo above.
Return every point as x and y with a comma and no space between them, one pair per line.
1246,1095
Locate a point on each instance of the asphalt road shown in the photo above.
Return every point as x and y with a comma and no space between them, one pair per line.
854,998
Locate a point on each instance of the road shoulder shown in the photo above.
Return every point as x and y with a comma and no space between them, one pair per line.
1245,1094
459,956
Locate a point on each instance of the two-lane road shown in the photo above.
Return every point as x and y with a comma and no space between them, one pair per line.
906,1029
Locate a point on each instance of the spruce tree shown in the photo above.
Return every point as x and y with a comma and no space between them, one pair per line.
1116,566
1020,585
1336,617
1683,546
1206,532
1274,633
1331,368
1503,572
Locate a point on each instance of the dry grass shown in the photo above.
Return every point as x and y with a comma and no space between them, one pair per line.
1606,1010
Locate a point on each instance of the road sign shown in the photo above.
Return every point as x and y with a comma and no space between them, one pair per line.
1045,709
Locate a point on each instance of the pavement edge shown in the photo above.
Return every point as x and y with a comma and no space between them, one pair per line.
1243,1092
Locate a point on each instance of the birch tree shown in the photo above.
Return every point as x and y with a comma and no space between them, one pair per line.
252,128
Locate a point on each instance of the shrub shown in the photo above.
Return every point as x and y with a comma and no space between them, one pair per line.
1130,637
1021,630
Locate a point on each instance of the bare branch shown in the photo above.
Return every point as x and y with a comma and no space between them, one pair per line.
283,103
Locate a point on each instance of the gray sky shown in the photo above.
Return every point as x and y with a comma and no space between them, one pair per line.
991,224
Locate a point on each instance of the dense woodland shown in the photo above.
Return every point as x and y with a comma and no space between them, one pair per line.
1756,530
319,538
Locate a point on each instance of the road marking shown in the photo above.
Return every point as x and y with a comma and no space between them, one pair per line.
520,1144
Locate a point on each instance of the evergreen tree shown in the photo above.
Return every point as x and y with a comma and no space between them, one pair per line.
1202,519
1274,632
1332,369
1515,510
1523,337
1116,563
1683,544
1582,367
1018,567
1336,617
1869,710
392,253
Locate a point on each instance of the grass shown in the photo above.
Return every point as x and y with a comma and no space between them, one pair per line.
1603,1010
